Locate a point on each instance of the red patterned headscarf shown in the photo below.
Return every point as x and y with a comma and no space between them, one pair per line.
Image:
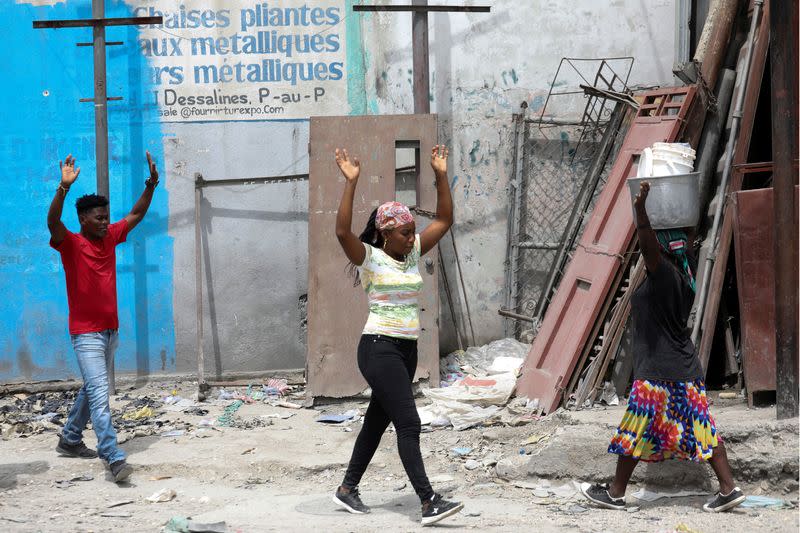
392,214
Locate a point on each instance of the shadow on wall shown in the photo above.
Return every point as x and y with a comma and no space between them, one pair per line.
209,214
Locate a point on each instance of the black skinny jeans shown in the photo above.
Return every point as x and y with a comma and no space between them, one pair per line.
388,364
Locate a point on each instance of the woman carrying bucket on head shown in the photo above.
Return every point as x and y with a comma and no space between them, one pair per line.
667,415
385,258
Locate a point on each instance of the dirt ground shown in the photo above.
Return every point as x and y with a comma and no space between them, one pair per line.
278,474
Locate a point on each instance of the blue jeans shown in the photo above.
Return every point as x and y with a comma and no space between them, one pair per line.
95,352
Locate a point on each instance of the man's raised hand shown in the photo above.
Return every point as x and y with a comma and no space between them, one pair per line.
439,159
68,171
350,167
151,165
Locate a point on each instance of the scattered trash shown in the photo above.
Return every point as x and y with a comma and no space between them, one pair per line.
608,395
248,450
66,483
472,514
441,478
284,403
683,528
567,490
160,478
111,514
119,503
504,364
164,495
651,496
180,524
226,418
338,419
480,360
521,411
728,395
461,451
458,414
139,414
282,416
575,508
754,502
525,485
227,395
535,439
401,486
174,433
178,404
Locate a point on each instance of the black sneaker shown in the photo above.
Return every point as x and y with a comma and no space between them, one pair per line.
438,509
598,494
350,500
75,450
722,503
120,470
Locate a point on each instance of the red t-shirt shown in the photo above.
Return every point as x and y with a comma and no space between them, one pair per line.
90,268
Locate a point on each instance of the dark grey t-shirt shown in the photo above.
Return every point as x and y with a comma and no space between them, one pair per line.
662,344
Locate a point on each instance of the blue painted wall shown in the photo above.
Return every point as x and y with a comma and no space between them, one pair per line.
45,74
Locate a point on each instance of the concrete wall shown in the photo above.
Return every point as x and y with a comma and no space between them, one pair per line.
483,67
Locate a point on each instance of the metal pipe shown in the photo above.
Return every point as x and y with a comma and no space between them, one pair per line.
510,227
463,286
449,295
421,66
201,182
198,281
516,316
707,152
519,223
726,172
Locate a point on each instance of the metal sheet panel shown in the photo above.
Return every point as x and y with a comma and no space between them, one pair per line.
571,317
337,311
753,232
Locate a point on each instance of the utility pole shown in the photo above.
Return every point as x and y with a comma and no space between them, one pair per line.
98,23
419,37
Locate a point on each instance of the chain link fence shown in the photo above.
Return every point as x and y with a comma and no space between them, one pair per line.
561,168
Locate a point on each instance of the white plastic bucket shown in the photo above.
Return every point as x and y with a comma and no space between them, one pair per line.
652,163
678,149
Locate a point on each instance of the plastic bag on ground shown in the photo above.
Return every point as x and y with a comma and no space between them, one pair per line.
493,390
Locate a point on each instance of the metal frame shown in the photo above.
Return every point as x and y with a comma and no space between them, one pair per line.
607,84
595,113
199,184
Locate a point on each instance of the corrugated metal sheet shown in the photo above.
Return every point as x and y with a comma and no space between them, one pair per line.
753,236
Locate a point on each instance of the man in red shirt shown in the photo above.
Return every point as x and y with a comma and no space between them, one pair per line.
90,269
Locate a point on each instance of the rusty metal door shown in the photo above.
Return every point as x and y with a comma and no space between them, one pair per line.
337,311
577,304
753,236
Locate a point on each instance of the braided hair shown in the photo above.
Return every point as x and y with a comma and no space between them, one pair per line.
370,236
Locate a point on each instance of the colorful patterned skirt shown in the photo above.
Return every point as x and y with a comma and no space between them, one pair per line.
666,420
